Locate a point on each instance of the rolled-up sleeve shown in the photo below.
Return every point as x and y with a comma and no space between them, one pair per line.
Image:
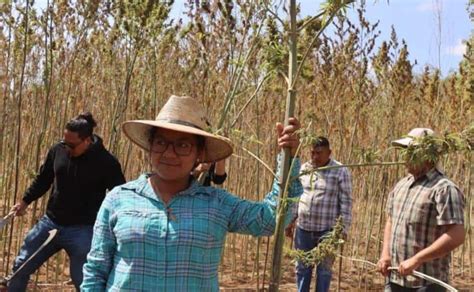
258,218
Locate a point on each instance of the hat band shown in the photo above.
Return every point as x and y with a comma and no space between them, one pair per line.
180,122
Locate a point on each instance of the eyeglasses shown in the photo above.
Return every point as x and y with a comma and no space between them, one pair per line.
180,147
70,145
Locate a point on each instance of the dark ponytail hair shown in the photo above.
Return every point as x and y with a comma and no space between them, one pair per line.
83,125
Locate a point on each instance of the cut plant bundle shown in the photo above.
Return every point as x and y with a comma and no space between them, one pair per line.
326,249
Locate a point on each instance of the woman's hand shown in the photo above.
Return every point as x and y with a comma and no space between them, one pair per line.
287,136
202,167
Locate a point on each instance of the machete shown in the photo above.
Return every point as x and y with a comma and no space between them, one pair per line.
52,234
5,220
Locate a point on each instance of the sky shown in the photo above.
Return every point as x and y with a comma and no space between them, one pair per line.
433,29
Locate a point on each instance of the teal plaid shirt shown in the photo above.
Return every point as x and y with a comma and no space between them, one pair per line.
141,244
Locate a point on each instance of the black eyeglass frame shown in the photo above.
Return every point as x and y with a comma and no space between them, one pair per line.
71,146
163,147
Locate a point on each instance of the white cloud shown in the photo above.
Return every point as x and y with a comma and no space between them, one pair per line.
424,7
457,50
428,6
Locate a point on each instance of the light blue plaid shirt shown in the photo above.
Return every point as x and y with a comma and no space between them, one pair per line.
140,244
327,195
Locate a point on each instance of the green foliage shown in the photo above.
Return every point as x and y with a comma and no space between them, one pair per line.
331,7
275,54
368,155
430,148
326,249
141,20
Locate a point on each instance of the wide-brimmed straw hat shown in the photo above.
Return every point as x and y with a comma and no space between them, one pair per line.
410,139
182,114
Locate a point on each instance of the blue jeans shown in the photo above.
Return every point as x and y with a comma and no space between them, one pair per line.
76,240
307,240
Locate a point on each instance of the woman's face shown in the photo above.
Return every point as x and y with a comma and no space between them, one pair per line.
173,154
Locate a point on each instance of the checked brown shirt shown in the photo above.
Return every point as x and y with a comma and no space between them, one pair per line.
421,211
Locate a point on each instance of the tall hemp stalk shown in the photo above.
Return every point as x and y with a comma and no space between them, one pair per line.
19,108
3,129
285,166
330,9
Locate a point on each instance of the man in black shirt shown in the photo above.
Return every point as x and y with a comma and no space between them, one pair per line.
80,170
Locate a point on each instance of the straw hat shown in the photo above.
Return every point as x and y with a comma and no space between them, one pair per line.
182,114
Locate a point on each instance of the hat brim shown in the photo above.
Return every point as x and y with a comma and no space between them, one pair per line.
216,147
404,142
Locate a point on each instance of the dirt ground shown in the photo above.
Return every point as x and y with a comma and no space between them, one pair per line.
234,275
355,276
352,279
243,281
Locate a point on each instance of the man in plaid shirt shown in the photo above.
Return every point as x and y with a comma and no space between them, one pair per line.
424,223
326,196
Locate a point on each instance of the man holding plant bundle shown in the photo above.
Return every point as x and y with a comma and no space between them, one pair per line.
80,170
424,219
327,196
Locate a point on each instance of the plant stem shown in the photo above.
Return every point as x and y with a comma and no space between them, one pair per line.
20,96
279,239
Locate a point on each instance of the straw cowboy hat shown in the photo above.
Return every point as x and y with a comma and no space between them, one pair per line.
182,114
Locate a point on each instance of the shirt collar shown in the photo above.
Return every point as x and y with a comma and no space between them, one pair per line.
430,175
142,187
331,162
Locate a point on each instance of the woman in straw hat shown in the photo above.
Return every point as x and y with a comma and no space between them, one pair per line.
164,231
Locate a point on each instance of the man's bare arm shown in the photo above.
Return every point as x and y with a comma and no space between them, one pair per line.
385,258
447,242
